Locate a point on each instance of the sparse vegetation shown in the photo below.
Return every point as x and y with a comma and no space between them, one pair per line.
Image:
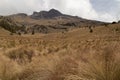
91,30
77,54
20,55
11,33
9,25
61,60
19,33
33,32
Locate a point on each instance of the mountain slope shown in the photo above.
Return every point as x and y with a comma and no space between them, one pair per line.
45,22
10,25
4,32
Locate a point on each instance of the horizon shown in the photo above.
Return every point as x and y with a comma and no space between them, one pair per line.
100,10
60,12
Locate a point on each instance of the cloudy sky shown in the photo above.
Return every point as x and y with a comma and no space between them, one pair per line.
103,10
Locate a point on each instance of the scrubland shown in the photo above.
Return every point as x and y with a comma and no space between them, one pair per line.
74,55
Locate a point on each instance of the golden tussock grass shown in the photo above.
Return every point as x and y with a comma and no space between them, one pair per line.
93,57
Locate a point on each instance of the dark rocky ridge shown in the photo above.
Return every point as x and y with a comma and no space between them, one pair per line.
46,14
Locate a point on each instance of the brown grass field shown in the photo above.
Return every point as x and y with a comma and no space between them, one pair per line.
73,55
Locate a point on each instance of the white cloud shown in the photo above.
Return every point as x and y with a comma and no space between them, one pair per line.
16,6
117,0
106,17
82,8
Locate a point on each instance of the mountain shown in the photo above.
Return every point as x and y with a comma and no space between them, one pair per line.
45,22
46,14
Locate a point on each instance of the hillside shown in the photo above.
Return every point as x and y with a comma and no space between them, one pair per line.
4,32
78,54
10,25
45,22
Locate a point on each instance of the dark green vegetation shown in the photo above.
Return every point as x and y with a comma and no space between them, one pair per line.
10,25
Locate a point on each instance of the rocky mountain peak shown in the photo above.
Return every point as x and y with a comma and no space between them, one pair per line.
46,14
